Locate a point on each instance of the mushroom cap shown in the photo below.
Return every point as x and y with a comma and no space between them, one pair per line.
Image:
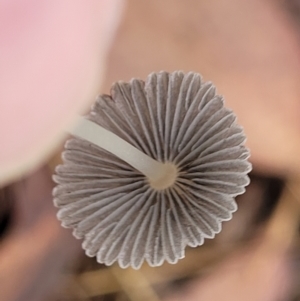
172,117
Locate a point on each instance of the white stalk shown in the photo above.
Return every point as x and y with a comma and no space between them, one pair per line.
160,175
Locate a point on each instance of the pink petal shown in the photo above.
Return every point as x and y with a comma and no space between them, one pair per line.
52,58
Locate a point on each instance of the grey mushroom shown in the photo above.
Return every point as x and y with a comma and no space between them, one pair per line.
191,164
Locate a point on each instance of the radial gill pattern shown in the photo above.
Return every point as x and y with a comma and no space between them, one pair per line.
172,117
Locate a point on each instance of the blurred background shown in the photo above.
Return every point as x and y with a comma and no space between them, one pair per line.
251,51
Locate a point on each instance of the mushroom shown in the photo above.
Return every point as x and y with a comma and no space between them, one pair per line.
152,169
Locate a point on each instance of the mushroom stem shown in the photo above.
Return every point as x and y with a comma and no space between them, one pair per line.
160,175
